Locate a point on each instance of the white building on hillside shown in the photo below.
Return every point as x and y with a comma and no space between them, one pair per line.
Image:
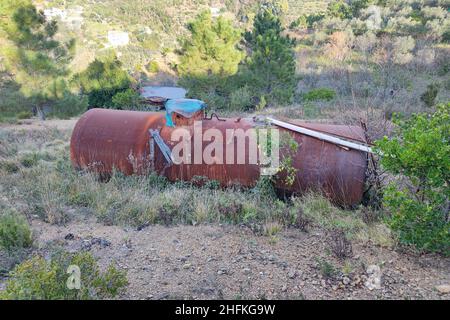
215,12
55,13
118,38
72,17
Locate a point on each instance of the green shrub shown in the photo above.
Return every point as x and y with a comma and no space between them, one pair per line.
24,115
39,279
153,67
339,9
213,90
357,5
12,100
420,151
126,100
28,160
310,111
320,211
70,105
102,80
102,98
262,103
241,99
327,269
443,69
320,94
299,23
430,94
149,41
446,37
311,19
14,232
9,166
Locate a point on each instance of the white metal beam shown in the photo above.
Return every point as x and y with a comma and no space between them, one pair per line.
321,136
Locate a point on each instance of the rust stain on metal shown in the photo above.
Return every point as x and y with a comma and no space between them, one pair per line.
327,167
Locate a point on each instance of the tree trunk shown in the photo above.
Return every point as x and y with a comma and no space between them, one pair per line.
40,112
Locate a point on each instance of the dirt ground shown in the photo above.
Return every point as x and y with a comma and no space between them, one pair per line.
231,262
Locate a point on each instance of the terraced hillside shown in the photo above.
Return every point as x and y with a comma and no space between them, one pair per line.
153,27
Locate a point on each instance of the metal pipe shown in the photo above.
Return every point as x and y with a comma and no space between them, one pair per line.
320,135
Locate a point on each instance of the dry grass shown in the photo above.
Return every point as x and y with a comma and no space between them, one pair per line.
48,187
320,212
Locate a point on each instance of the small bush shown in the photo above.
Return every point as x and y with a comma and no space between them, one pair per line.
271,228
443,69
340,245
320,94
370,215
47,280
14,232
301,221
29,160
429,96
299,23
241,99
24,115
153,67
9,166
310,111
321,212
446,37
313,18
212,89
327,269
264,188
12,100
126,100
70,105
149,41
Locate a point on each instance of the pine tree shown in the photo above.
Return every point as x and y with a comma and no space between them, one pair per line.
211,48
31,54
271,64
102,80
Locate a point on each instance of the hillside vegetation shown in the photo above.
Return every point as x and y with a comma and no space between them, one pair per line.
368,55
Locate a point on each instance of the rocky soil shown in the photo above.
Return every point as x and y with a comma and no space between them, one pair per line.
230,262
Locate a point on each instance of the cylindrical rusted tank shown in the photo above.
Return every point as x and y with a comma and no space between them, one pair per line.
336,171
105,139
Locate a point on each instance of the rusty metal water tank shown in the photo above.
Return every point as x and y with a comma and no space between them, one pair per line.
336,171
104,139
